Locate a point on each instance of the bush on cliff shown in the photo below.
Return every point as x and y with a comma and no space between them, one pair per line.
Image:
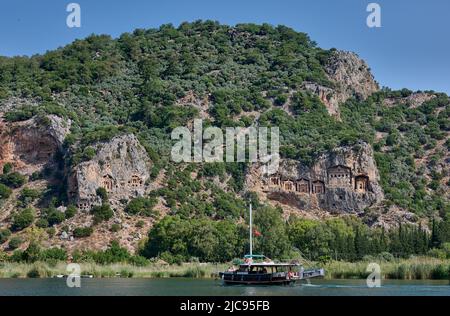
5,192
13,180
23,219
141,206
81,232
102,213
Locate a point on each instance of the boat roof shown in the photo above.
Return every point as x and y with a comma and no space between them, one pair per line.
270,264
267,263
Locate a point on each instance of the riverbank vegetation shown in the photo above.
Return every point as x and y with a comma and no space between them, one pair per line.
417,268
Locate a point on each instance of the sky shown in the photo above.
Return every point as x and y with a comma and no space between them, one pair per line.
410,50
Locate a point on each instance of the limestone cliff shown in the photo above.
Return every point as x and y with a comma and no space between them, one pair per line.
121,166
32,144
350,76
345,180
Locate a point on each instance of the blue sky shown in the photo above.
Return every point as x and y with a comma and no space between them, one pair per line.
411,49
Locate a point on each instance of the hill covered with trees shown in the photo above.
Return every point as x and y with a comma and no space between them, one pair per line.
151,81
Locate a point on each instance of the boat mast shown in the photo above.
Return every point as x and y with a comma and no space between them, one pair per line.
251,232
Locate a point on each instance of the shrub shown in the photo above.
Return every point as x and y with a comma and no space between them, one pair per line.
113,254
437,253
88,153
81,232
102,213
386,256
140,224
138,261
141,206
13,180
23,219
4,235
14,243
103,194
42,223
51,231
7,168
55,217
16,256
54,254
32,253
28,195
5,192
34,273
71,211
115,228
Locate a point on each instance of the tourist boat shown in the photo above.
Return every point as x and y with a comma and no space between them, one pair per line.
260,270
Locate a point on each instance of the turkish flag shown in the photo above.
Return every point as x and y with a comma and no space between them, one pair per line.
256,233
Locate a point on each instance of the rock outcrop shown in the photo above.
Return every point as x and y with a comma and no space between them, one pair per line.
345,180
350,76
32,144
414,100
121,166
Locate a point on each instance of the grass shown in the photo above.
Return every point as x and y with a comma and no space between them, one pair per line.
418,268
46,270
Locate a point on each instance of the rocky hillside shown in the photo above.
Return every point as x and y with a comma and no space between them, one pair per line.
85,139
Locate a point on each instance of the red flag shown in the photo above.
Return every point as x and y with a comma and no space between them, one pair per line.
256,233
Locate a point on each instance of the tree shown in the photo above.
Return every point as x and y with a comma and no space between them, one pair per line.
274,241
434,241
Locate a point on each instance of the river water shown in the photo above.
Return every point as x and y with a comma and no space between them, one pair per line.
196,287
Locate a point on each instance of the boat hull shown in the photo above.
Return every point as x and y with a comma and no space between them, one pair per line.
257,279
234,278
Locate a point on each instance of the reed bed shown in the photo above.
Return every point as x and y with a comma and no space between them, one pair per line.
419,268
45,270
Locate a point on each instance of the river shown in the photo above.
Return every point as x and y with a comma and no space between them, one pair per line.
196,287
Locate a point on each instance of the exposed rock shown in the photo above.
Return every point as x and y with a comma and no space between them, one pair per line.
389,217
414,100
62,209
29,145
351,78
64,235
14,103
121,166
200,103
345,180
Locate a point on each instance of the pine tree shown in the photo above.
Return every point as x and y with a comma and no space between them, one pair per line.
434,241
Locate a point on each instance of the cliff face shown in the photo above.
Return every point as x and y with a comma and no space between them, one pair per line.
351,77
345,180
30,145
121,166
